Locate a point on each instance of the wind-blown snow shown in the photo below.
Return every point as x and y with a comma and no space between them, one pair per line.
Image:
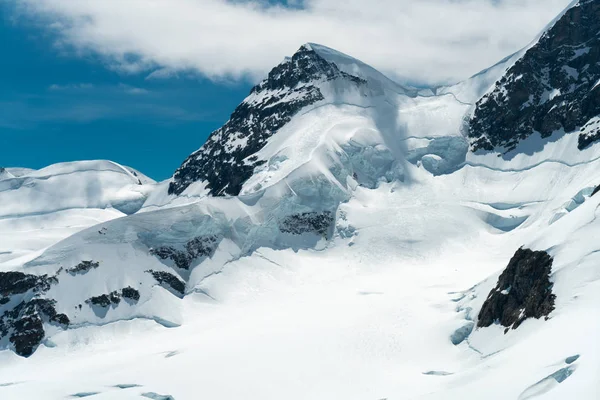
357,68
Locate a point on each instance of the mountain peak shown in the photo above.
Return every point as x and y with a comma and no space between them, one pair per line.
306,47
549,89
228,159
356,67
314,71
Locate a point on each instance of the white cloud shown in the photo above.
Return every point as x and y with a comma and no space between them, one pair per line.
103,89
71,86
422,40
132,89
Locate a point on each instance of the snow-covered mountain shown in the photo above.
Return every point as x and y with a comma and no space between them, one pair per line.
341,236
40,208
551,90
314,77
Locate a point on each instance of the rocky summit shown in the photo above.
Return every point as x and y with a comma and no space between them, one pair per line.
554,87
227,159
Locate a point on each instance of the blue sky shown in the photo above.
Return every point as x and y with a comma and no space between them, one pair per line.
59,105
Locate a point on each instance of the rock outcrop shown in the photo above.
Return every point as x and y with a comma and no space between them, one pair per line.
23,310
523,291
114,298
553,87
318,223
83,267
169,282
201,246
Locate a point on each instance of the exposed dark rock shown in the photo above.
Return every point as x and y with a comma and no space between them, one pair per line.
102,300
114,297
130,293
105,300
552,87
200,246
523,291
28,330
180,258
14,282
24,324
227,158
170,280
61,319
83,267
589,133
308,222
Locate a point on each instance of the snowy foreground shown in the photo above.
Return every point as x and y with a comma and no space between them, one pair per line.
368,315
338,238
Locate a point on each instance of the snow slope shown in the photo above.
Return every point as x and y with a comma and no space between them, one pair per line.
41,207
373,309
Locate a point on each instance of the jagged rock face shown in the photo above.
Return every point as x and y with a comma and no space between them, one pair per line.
13,282
227,159
523,291
83,267
105,300
308,222
590,132
169,281
553,86
130,293
24,324
201,246
23,312
25,307
29,303
114,297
